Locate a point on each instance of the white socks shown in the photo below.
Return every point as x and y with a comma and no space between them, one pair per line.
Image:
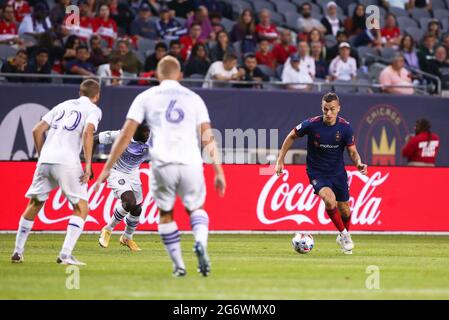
119,214
131,225
199,220
172,240
74,230
23,231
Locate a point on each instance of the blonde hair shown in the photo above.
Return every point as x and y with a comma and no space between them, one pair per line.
168,67
89,88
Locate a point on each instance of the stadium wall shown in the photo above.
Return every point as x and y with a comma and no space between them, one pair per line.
381,122
389,199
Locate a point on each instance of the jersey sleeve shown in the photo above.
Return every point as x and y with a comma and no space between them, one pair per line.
202,115
349,136
48,117
108,137
137,110
303,128
94,117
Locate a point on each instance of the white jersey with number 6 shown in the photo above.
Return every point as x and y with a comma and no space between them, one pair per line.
67,121
173,114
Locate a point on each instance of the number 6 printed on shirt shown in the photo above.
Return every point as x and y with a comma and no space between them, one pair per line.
174,115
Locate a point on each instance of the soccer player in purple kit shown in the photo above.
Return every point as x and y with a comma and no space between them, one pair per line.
328,135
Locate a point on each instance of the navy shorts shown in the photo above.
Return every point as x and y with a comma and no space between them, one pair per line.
338,184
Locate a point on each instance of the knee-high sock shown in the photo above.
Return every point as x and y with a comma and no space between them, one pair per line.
74,230
199,220
119,214
23,231
336,218
131,224
346,221
172,241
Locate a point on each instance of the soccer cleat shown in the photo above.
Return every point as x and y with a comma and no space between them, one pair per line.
16,258
104,238
69,260
346,243
131,244
179,272
203,259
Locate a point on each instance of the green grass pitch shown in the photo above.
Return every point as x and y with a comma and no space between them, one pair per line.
243,267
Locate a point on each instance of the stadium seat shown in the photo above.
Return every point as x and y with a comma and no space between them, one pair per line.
141,55
278,72
259,5
423,22
343,86
375,69
404,22
330,40
29,39
415,32
277,18
366,53
299,2
369,2
181,20
145,45
195,84
362,73
267,70
316,9
366,88
291,19
388,53
438,4
417,13
344,4
441,14
283,6
6,51
398,12
350,9
227,24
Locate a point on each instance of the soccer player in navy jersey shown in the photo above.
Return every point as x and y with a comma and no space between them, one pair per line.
328,135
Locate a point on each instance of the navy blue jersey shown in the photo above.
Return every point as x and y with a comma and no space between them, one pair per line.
325,144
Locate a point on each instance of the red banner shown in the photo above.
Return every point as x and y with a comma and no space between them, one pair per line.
388,199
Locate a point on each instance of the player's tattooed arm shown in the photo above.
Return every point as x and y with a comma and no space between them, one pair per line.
286,145
355,157
39,135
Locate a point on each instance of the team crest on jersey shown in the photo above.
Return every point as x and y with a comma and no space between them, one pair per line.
338,136
121,182
314,182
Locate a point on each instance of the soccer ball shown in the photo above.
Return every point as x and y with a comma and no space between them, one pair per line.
302,242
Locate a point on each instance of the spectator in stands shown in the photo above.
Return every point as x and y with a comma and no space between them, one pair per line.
71,44
245,31
105,26
250,72
168,28
317,53
142,26
439,66
57,13
39,65
281,51
98,55
421,149
390,33
370,38
130,63
198,62
8,27
37,22
174,50
396,75
295,72
332,52
343,67
124,17
307,61
306,22
86,23
424,4
134,6
181,8
445,42
221,47
215,19
401,4
331,21
265,29
408,51
427,50
188,41
201,17
79,65
225,70
92,7
153,59
21,9
265,56
111,69
315,36
434,27
16,65
213,6
357,23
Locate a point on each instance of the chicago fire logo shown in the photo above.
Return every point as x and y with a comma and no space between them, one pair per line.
338,136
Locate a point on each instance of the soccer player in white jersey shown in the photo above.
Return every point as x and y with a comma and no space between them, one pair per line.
71,126
177,118
125,182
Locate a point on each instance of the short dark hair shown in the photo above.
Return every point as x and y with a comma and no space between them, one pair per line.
194,24
81,47
423,125
21,51
42,50
250,55
161,45
174,41
331,96
229,56
115,59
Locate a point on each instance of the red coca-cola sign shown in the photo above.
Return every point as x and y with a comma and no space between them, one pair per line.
388,199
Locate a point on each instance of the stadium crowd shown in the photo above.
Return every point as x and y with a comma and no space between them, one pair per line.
247,40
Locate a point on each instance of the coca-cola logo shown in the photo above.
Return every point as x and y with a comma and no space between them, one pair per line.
103,198
283,200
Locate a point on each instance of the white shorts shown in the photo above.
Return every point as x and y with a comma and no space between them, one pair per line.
48,176
166,181
121,182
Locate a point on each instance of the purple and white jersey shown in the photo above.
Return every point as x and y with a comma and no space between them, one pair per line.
132,157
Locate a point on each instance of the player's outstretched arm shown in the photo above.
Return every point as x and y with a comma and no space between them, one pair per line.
286,145
355,157
210,146
119,146
39,134
88,143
